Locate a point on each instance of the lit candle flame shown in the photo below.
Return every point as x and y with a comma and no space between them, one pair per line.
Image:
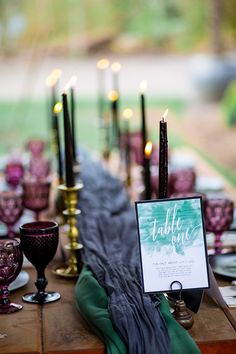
56,73
164,115
58,107
53,77
127,113
115,67
113,96
103,64
143,86
50,81
148,148
73,81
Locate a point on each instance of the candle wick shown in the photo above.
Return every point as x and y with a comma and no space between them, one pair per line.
162,119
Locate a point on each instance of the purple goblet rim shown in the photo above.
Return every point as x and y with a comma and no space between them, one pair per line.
219,199
38,227
11,193
32,180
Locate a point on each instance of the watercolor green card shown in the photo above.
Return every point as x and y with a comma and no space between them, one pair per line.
172,244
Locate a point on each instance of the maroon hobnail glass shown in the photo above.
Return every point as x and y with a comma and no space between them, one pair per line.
36,195
11,259
219,214
39,241
11,209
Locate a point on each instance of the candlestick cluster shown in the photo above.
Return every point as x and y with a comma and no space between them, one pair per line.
113,133
68,184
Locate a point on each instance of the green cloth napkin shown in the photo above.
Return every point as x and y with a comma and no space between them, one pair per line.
92,302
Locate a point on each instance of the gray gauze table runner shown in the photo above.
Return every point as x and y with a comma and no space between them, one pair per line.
108,231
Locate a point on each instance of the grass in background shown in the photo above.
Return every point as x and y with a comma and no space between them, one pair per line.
24,120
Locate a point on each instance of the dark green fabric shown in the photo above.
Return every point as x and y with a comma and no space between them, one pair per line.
92,302
181,341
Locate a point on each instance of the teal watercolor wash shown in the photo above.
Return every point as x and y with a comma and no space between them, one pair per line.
170,226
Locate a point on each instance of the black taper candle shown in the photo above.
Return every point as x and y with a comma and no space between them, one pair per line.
143,85
73,124
53,102
58,143
127,114
102,65
114,97
163,159
144,134
69,174
127,153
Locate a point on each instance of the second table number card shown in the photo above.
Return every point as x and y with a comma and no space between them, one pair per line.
172,244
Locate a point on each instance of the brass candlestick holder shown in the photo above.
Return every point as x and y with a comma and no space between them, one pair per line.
70,195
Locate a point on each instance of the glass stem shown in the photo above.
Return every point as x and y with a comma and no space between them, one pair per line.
41,284
11,233
218,243
4,297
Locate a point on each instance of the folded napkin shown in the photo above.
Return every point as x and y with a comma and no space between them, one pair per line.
229,295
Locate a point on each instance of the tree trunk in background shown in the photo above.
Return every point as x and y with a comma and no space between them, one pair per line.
216,13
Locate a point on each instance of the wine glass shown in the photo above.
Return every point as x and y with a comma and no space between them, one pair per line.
11,209
36,147
39,241
218,218
11,258
182,180
14,172
36,195
39,167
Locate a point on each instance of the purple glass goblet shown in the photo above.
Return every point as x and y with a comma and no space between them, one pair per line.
11,258
11,209
39,167
36,147
218,218
39,241
36,195
14,172
182,180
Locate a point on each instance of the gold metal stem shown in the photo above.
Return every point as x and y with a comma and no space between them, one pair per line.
70,195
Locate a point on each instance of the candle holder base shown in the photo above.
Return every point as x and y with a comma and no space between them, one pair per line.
73,268
67,271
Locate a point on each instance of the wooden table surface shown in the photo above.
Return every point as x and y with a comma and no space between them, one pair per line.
58,327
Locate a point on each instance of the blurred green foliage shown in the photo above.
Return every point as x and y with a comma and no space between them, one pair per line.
229,104
163,25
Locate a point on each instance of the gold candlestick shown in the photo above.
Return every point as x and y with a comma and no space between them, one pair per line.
70,195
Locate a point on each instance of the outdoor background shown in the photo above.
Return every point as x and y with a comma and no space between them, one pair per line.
182,48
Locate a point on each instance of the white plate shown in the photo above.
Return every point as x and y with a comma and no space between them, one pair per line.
211,184
20,281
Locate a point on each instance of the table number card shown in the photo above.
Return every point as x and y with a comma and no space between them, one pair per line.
172,244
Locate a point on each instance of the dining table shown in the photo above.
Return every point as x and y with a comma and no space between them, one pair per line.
61,327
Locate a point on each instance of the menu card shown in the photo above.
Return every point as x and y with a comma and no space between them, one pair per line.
172,243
